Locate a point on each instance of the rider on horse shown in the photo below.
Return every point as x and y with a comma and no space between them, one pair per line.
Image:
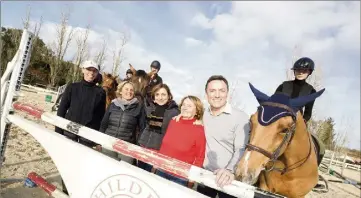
155,79
303,68
128,74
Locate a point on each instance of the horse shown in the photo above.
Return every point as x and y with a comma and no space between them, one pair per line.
109,84
140,79
280,156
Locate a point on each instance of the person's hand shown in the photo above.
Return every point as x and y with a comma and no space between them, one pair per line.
223,177
98,147
190,184
177,118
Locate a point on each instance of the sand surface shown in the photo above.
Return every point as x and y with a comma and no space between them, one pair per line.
24,155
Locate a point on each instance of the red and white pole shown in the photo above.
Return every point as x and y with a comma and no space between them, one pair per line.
48,188
193,173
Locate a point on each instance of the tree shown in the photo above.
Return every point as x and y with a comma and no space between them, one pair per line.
81,55
38,68
101,55
118,54
59,47
326,133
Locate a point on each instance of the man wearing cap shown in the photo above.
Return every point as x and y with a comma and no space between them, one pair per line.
83,103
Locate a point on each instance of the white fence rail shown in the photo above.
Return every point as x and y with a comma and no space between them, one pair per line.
340,160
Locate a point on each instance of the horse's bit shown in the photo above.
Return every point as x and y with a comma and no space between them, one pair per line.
287,139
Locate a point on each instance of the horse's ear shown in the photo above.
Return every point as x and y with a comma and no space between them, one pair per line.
132,69
150,74
104,74
303,100
261,97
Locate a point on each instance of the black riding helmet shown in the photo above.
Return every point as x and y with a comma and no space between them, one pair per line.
155,64
304,63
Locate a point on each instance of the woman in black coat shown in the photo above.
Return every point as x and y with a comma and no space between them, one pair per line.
161,109
122,119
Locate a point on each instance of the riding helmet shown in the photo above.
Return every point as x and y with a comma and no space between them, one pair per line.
304,63
155,64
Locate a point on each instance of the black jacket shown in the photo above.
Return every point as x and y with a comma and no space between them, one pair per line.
152,138
296,88
84,103
121,121
155,81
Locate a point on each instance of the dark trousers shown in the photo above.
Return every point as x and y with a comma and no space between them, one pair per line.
172,178
145,166
210,192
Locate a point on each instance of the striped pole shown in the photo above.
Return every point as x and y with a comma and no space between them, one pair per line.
48,188
163,162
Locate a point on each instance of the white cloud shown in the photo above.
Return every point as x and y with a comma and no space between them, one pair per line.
201,20
192,42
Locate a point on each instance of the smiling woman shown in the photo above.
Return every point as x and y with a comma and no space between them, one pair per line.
122,118
185,139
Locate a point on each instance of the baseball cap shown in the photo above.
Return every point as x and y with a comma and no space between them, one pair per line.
90,63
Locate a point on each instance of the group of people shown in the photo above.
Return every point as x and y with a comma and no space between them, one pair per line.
213,138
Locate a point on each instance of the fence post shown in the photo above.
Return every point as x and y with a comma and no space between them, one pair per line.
343,164
329,166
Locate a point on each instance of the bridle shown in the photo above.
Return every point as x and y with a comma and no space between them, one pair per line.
286,141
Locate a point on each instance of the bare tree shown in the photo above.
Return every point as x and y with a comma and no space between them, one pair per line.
26,21
101,55
118,54
37,27
297,51
341,137
316,78
81,54
60,46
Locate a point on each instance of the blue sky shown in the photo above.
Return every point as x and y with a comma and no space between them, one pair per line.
244,41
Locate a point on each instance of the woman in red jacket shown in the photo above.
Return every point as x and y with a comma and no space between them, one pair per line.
185,140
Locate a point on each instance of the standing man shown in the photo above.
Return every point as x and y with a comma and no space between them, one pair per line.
227,133
226,130
84,103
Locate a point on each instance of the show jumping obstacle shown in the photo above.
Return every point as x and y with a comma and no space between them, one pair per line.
89,173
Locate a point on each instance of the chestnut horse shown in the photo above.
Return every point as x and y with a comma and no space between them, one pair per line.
110,84
140,80
280,154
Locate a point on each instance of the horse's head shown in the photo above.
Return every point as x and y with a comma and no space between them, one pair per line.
272,129
110,82
141,80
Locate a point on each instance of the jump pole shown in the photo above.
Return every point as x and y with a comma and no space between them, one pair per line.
194,173
50,189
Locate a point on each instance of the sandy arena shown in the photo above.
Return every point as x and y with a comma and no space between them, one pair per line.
24,155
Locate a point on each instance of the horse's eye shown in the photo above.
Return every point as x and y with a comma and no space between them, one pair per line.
284,130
